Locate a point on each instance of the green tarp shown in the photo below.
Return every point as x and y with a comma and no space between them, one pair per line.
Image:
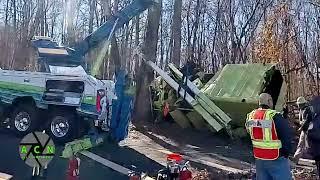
236,88
232,93
238,80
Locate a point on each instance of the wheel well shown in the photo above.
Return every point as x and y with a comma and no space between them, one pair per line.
20,100
23,100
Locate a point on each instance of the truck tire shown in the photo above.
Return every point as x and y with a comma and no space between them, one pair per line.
23,119
62,126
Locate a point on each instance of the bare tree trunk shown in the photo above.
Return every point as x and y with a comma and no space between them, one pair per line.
14,15
195,30
130,45
7,13
176,33
318,55
136,44
125,48
161,43
115,54
145,76
5,50
232,34
53,20
217,23
189,33
92,4
42,20
71,39
201,36
115,61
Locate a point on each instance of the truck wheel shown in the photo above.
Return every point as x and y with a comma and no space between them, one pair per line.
62,126
23,119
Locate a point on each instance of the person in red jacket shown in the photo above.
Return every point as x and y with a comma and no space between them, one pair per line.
73,168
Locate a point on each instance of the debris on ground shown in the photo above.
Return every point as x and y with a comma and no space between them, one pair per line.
304,173
202,175
305,169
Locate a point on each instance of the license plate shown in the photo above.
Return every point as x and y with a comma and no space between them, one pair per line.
71,100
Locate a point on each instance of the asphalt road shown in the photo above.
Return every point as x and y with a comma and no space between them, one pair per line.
11,163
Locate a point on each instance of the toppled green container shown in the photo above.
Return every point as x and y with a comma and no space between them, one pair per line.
236,88
228,96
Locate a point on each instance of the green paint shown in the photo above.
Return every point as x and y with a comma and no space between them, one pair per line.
89,100
236,88
9,91
21,87
7,96
77,146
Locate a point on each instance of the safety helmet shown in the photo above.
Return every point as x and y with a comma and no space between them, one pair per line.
265,99
301,100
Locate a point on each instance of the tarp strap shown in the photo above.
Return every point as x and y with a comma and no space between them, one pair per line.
184,82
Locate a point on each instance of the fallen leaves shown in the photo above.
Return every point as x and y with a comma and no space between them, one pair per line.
201,175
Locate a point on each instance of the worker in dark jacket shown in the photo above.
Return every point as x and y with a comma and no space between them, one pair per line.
305,117
188,70
313,137
271,138
312,129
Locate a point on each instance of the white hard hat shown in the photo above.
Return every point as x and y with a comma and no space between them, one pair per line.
301,100
265,99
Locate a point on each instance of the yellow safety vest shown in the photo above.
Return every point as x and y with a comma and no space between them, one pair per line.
261,128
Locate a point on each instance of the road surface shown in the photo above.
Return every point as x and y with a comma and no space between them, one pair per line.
11,163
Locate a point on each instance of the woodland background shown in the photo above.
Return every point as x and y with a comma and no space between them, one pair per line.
212,33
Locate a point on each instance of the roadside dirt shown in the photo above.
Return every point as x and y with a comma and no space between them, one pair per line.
212,156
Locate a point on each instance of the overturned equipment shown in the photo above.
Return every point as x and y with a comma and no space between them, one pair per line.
224,100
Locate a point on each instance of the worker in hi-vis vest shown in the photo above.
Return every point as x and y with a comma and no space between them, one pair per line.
271,138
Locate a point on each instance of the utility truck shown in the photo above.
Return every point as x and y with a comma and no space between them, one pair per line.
61,95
